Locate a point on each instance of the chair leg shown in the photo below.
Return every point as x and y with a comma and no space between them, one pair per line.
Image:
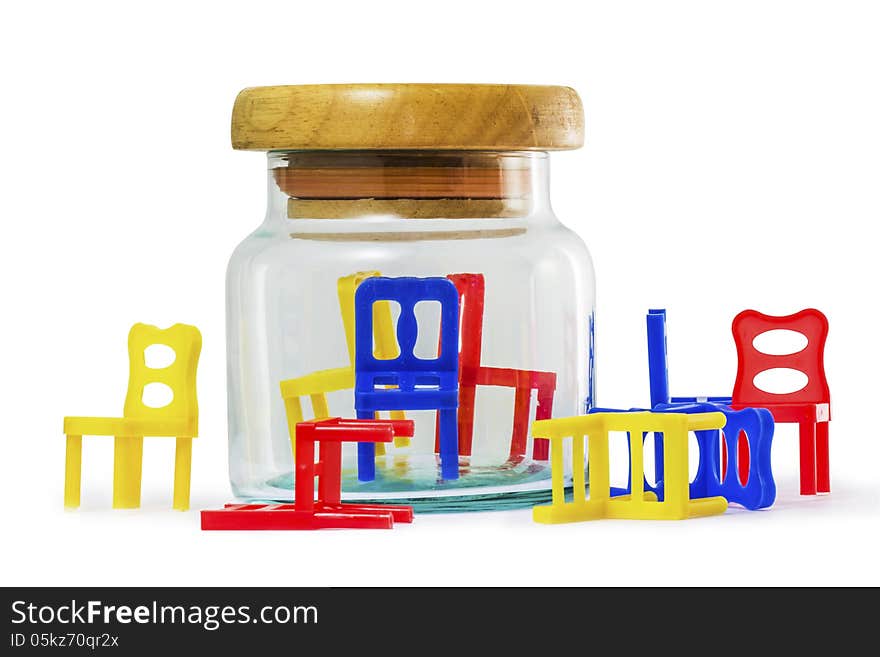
518,440
466,400
448,443
366,453
808,458
823,468
72,471
128,453
544,411
182,473
294,412
319,406
379,448
659,459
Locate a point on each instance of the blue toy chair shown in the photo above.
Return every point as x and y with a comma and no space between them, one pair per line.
407,383
759,490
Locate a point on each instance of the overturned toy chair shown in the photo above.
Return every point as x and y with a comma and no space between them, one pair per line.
591,432
750,485
658,377
321,438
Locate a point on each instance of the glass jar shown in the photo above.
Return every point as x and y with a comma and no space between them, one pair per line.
382,179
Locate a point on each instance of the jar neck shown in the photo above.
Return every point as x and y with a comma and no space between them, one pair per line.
378,186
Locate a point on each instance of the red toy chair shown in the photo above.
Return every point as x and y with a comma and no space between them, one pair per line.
328,510
809,407
471,294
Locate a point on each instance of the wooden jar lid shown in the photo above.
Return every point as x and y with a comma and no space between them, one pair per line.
473,117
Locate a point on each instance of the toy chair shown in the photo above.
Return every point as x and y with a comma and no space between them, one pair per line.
809,407
658,376
640,504
754,488
317,384
658,370
327,511
179,418
407,382
471,294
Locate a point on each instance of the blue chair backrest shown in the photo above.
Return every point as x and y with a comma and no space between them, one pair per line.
407,292
658,369
759,491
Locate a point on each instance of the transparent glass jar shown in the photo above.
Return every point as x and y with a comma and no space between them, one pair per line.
423,213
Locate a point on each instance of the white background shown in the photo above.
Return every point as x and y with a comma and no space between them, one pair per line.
732,160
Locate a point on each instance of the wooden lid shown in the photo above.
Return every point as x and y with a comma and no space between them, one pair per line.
476,117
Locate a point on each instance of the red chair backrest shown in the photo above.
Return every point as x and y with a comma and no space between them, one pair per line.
471,293
748,325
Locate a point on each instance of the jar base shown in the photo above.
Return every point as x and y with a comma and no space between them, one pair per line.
415,481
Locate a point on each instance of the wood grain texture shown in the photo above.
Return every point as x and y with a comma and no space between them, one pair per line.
490,117
454,208
403,182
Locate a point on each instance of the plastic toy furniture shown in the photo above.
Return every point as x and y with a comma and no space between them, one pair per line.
809,407
471,294
327,511
317,384
419,384
658,375
755,490
179,418
658,371
471,297
386,344
640,504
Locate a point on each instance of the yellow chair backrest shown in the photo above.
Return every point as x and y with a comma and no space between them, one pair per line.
386,342
179,376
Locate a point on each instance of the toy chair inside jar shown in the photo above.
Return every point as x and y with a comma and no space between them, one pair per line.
407,382
810,406
317,384
471,295
178,418
328,510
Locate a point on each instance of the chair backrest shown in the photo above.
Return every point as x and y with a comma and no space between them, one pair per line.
471,298
386,345
179,376
658,367
748,325
407,292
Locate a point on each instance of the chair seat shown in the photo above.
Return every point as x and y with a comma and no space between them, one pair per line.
507,377
405,400
792,411
322,381
123,426
701,400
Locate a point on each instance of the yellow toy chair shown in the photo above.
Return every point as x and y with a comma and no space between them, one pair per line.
317,384
640,504
178,418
